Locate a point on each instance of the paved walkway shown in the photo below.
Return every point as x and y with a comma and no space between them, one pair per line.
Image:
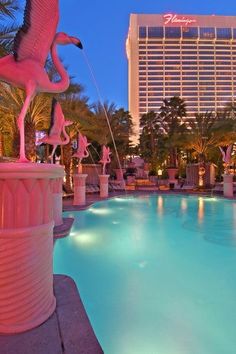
67,331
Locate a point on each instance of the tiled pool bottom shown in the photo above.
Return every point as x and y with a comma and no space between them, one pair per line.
156,273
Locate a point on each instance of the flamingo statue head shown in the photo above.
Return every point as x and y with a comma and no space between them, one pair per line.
58,124
25,68
63,39
82,151
105,158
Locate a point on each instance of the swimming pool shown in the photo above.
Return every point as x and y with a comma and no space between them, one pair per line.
156,273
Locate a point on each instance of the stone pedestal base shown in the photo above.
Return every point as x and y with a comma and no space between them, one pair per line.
228,186
26,245
79,189
26,282
103,185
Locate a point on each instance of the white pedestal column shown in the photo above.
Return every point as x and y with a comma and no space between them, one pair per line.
79,189
228,186
103,185
26,245
57,201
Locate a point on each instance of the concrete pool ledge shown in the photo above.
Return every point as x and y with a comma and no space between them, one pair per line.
67,331
93,198
63,230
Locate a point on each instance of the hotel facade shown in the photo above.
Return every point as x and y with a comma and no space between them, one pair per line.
190,56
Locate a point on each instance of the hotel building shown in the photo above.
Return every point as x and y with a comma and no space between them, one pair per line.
190,56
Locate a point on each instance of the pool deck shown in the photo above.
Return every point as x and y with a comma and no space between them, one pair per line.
67,331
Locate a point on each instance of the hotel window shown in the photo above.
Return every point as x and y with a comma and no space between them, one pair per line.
190,32
189,57
234,33
142,32
155,32
172,32
223,33
207,32
151,78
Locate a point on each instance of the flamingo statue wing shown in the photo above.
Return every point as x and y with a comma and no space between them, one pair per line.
34,39
57,119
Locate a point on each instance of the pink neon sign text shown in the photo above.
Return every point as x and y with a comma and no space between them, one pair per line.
174,19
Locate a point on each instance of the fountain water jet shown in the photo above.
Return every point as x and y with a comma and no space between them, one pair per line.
105,112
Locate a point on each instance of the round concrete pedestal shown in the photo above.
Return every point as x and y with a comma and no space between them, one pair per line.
103,185
26,245
228,186
79,189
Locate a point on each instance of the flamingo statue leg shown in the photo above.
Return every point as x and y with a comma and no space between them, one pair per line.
52,154
30,93
104,168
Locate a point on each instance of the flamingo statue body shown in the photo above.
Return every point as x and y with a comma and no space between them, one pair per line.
82,151
58,124
105,158
226,155
25,68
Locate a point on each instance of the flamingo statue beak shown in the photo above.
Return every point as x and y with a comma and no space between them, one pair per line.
79,45
76,41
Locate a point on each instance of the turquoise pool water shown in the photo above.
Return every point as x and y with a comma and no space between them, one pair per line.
157,274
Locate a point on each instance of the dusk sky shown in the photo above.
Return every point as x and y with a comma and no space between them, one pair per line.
102,27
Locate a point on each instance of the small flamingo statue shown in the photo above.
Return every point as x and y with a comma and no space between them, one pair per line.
32,44
105,158
226,156
58,124
82,151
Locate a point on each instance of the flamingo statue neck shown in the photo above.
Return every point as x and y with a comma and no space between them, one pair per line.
67,138
64,142
63,84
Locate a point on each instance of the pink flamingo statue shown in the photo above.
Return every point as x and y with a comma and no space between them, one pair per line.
82,151
25,68
58,124
105,158
226,155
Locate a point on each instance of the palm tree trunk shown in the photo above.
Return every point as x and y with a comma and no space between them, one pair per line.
173,157
30,146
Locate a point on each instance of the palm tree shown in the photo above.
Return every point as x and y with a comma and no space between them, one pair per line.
200,137
171,116
37,117
8,10
150,124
